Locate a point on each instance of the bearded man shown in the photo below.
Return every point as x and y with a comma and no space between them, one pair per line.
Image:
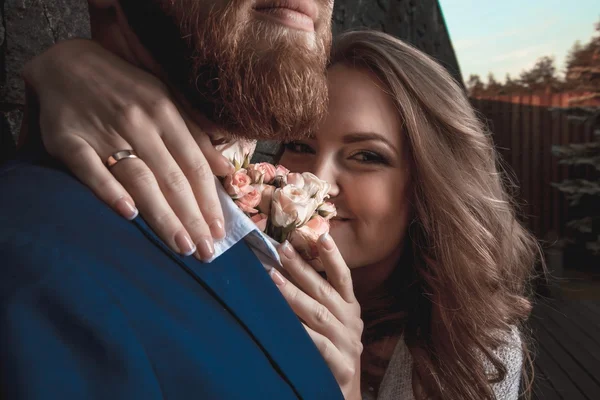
94,306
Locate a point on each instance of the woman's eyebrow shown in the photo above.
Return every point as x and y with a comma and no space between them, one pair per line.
365,136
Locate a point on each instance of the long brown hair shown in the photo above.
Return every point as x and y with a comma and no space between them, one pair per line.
472,259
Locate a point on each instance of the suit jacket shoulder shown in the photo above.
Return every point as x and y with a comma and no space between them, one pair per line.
94,306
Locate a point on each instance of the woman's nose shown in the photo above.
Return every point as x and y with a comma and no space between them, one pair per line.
326,171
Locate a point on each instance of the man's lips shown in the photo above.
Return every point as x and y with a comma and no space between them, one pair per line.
299,14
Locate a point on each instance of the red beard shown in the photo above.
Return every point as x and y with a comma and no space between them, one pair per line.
254,78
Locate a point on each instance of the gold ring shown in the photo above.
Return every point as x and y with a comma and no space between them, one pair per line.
120,155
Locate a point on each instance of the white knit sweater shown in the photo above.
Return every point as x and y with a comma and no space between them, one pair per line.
397,381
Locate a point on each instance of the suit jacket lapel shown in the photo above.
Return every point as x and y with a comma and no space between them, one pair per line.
246,290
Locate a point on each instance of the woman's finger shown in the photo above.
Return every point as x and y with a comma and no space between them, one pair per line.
314,314
219,164
172,182
311,282
338,273
141,183
194,165
342,369
87,166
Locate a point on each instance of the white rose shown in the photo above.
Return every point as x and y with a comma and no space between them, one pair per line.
238,152
295,179
317,188
291,205
327,210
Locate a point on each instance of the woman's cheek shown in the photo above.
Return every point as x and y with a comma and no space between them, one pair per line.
373,197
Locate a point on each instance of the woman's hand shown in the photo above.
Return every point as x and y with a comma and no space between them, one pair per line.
93,104
328,309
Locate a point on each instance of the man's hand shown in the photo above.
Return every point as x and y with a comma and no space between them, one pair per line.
93,104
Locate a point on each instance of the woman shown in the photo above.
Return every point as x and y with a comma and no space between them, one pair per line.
439,263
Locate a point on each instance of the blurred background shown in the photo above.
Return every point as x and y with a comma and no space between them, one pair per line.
531,69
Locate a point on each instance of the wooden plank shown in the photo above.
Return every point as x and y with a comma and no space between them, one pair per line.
536,155
542,386
546,216
555,177
499,134
506,130
525,177
578,348
580,317
547,355
515,139
588,136
564,170
594,309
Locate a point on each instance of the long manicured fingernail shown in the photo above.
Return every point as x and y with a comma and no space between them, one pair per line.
206,249
277,277
326,241
184,244
287,249
217,230
126,208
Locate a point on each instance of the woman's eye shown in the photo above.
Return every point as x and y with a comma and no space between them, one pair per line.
369,157
298,147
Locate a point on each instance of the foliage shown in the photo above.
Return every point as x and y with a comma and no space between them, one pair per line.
579,190
582,74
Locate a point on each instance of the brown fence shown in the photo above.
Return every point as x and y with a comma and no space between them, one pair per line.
525,129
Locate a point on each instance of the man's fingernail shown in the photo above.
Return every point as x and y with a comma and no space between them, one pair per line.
206,249
126,208
217,230
287,249
277,277
184,244
326,241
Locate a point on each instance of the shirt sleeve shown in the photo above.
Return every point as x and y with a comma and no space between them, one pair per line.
511,355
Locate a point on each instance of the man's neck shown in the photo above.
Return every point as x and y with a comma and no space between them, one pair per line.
110,29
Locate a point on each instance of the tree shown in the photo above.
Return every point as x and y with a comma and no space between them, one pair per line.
511,86
577,56
580,191
583,65
542,76
475,86
493,88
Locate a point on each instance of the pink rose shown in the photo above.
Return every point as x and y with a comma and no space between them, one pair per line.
327,210
280,170
296,180
238,185
304,239
249,201
260,220
264,169
266,197
291,206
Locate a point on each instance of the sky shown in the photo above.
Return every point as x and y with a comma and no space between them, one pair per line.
508,36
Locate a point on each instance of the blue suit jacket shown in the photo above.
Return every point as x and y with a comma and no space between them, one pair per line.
95,307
